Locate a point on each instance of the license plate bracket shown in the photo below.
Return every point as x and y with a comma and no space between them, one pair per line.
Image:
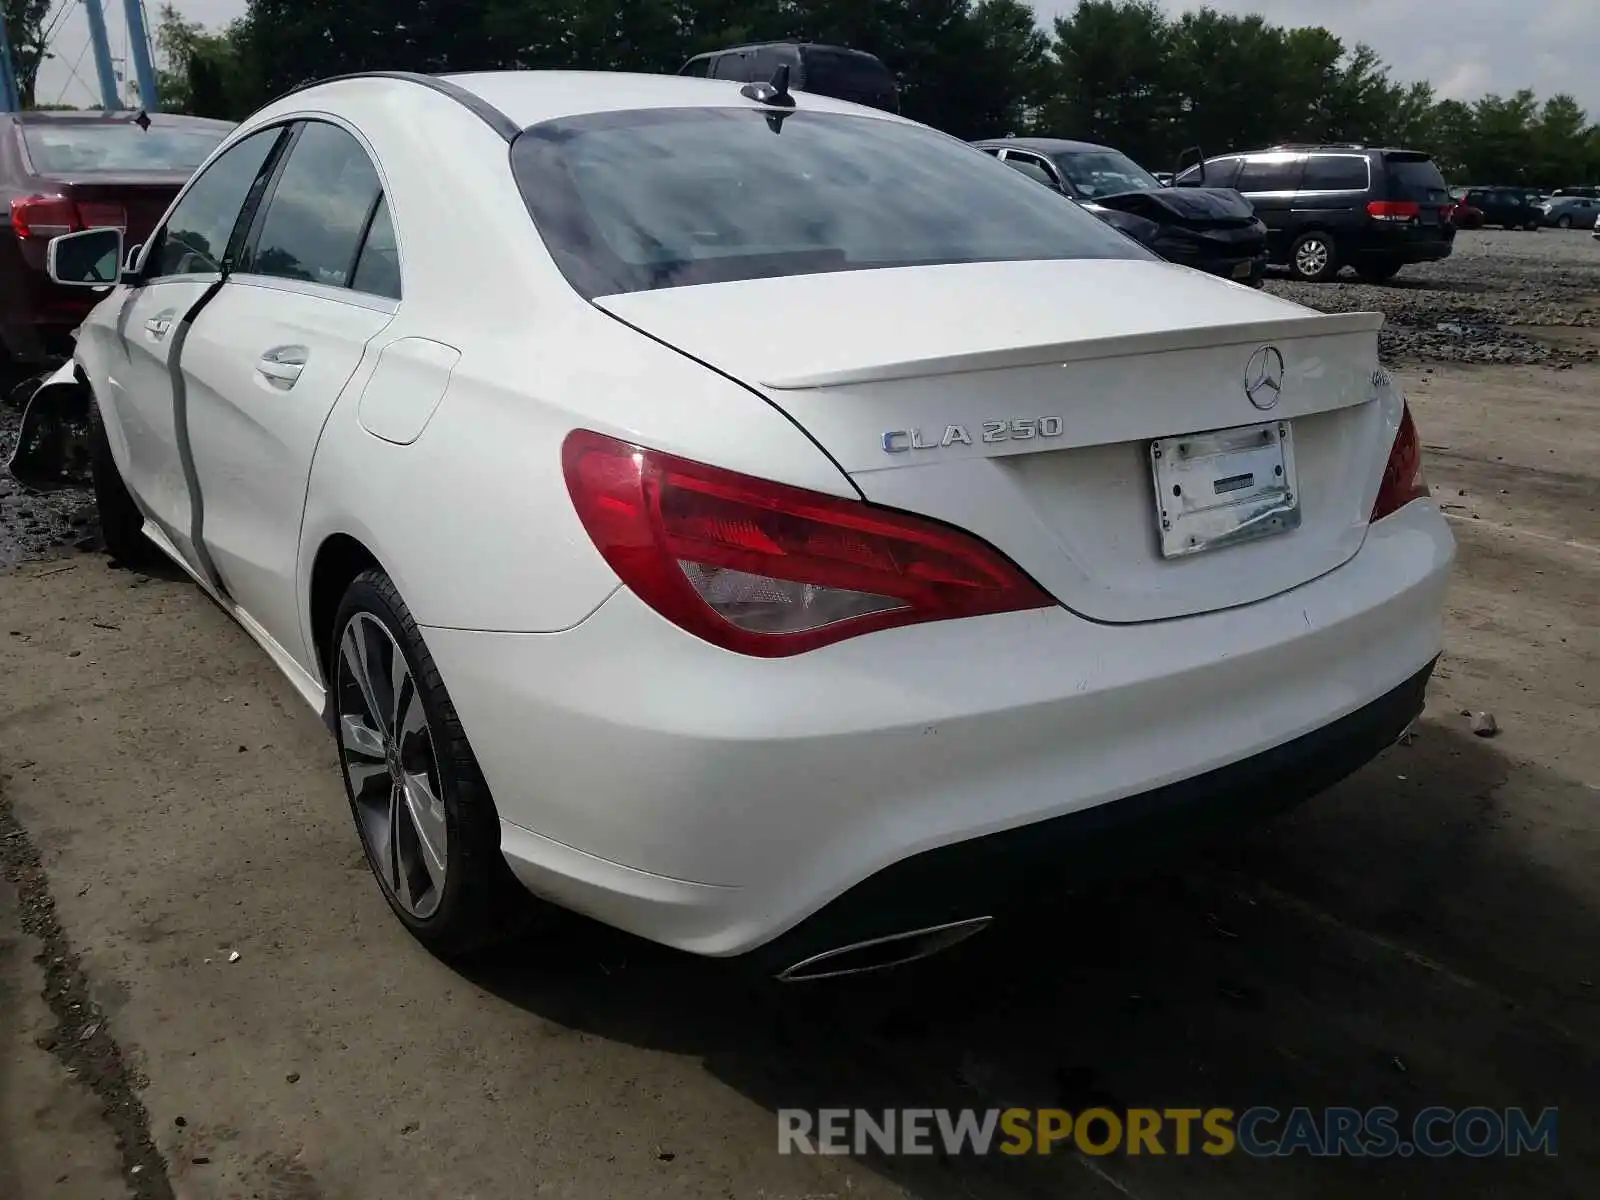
1224,487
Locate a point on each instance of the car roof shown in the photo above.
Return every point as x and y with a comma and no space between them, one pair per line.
797,44
1044,145
531,97
1326,148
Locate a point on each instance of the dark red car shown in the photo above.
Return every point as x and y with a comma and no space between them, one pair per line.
65,171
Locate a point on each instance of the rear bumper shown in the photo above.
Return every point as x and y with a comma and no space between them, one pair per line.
1404,245
989,876
715,802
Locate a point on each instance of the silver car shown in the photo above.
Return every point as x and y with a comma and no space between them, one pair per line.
1569,212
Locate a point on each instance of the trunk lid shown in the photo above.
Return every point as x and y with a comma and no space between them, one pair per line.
1021,401
143,198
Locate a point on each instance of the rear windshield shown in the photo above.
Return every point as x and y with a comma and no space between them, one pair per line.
1414,177
59,148
634,201
853,77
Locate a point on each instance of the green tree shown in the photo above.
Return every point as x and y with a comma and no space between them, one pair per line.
1561,142
25,23
1113,78
1502,135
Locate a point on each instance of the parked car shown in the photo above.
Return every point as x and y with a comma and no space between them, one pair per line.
1592,193
838,656
1568,212
1327,207
1212,230
1465,216
1508,207
1597,227
835,71
66,171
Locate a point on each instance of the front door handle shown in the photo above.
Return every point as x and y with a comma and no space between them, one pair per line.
282,366
158,327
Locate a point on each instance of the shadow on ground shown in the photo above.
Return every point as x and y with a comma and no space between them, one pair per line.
1304,965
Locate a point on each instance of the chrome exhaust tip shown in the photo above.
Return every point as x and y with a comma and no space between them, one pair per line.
881,953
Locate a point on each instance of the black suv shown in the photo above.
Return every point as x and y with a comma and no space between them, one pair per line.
844,74
1511,207
1330,206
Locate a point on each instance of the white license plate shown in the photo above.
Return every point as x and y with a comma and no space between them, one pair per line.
1242,271
1224,487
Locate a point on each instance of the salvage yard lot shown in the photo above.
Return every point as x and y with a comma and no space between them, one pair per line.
1427,933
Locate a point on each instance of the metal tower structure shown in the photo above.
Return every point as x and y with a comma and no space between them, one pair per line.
110,94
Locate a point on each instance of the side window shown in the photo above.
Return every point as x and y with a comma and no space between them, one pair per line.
764,65
1220,172
698,67
1269,175
728,66
1040,169
318,210
196,237
1335,173
378,268
991,150
1476,199
1031,169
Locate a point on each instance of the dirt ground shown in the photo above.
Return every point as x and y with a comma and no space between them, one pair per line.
1426,933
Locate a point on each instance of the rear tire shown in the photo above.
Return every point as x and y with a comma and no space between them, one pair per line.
1314,257
121,522
422,809
1563,222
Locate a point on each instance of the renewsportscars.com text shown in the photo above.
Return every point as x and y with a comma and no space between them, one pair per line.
1258,1132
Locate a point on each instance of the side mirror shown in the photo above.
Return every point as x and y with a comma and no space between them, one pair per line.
92,258
1192,156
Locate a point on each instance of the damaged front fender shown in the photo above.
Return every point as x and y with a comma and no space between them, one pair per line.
52,450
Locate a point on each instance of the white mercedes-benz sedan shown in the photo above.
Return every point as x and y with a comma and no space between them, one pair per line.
764,524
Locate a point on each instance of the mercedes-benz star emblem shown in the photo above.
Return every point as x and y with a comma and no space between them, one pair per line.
1263,378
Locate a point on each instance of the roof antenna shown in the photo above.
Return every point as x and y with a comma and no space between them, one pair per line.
143,120
775,93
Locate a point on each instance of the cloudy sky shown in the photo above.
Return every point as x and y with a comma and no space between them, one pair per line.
1466,47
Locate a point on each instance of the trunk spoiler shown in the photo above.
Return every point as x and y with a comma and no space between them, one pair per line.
1082,350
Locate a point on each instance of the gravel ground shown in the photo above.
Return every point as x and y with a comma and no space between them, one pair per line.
31,525
1528,299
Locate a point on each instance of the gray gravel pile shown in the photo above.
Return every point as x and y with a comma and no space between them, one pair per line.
1501,297
34,526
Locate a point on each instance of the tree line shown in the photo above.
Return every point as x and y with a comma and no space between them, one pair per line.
1121,72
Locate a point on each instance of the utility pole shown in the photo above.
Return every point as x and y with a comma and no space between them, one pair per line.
110,95
139,48
8,71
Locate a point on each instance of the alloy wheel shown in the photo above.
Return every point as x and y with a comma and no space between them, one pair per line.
1312,257
387,751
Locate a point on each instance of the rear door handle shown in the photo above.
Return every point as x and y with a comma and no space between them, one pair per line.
283,365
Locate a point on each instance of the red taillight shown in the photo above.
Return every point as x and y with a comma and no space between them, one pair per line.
1403,480
1394,210
52,216
770,570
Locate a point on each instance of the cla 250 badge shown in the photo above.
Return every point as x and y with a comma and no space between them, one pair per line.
899,441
